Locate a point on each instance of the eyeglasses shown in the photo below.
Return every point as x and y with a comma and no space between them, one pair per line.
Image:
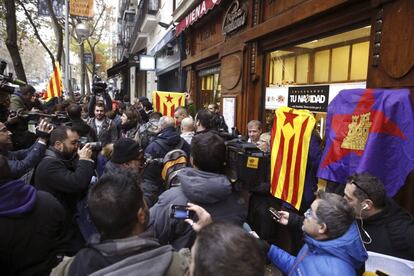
309,214
359,187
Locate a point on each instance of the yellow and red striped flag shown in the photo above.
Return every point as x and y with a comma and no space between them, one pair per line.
55,85
291,134
167,102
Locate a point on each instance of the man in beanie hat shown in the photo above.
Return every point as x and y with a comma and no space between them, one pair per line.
128,158
127,154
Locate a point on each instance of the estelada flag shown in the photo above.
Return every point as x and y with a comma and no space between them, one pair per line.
55,86
369,130
291,135
167,102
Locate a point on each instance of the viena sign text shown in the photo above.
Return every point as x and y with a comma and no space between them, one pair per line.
196,14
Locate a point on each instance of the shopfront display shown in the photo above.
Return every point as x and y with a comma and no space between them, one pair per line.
311,74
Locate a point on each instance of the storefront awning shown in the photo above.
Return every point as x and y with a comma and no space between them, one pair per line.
170,35
117,68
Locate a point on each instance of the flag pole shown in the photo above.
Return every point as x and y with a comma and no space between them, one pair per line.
67,66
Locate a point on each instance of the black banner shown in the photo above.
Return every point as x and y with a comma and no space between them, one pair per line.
313,98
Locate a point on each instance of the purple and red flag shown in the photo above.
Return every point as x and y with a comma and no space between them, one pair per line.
369,130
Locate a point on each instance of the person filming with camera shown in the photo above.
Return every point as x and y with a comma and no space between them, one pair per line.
66,172
22,161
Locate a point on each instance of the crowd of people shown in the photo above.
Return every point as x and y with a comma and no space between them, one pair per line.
95,194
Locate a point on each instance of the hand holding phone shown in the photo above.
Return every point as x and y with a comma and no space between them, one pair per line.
180,212
275,214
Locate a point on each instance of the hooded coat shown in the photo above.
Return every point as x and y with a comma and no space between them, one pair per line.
211,191
127,257
167,140
31,229
340,256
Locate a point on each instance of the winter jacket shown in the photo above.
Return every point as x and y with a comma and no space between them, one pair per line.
108,133
167,140
340,256
130,132
22,161
18,104
31,229
211,191
391,231
68,181
137,255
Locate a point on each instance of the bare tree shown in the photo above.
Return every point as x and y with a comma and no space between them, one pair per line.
11,41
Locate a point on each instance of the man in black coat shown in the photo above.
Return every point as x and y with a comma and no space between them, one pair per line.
31,227
388,227
67,178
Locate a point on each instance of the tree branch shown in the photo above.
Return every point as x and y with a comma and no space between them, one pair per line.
36,32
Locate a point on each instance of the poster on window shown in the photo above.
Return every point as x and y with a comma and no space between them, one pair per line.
276,97
229,110
313,98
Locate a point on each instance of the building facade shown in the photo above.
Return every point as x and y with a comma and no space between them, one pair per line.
239,53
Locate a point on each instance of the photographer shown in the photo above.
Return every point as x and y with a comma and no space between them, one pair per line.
76,122
99,91
22,161
20,104
67,178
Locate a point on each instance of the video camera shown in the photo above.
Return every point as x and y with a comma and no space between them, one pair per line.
98,86
246,164
6,80
95,146
56,119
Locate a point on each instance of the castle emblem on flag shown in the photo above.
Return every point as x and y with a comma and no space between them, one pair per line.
358,132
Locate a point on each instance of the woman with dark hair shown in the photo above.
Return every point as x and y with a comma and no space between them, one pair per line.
130,123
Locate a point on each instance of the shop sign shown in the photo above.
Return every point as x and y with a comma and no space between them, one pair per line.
197,13
276,97
87,57
313,98
234,19
82,8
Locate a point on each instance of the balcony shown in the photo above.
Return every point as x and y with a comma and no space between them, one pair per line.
146,22
147,15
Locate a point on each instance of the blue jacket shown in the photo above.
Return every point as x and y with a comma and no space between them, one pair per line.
22,161
167,140
340,256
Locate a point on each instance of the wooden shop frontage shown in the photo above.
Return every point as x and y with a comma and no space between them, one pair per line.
252,55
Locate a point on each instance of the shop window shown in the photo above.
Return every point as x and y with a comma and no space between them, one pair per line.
209,83
340,64
322,65
359,61
340,61
302,65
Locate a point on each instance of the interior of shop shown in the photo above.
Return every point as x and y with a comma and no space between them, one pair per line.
340,61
